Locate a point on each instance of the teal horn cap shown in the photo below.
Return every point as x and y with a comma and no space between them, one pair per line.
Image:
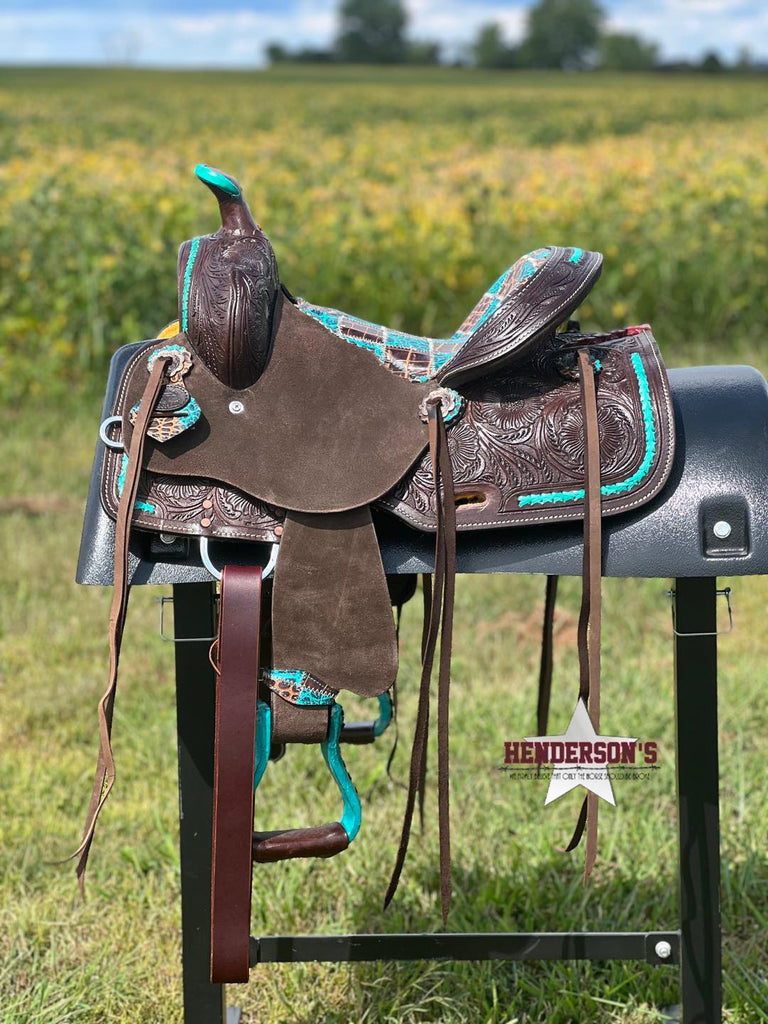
218,181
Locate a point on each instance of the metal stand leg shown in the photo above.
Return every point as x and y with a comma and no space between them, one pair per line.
194,615
698,810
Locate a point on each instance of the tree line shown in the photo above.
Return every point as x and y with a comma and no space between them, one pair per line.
559,34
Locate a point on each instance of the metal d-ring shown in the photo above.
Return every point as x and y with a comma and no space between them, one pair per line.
104,433
205,558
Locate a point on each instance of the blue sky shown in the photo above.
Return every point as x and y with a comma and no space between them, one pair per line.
233,33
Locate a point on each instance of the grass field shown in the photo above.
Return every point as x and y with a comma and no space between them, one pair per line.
399,195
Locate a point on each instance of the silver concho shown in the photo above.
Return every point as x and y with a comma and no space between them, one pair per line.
451,404
176,409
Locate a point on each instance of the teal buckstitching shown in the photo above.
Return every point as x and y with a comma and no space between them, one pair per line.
608,490
309,699
141,506
121,476
188,281
287,675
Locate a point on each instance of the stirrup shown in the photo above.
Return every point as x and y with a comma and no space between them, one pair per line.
368,731
320,840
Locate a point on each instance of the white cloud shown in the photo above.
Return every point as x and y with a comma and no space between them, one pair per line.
688,28
238,37
452,21
683,28
699,6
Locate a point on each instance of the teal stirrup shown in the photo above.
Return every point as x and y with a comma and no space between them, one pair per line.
385,714
318,841
368,731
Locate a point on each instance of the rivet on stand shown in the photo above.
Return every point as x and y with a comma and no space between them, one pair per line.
722,529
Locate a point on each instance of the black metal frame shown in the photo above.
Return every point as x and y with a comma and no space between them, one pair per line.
696,946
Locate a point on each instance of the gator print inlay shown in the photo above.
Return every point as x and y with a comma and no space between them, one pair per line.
418,358
298,687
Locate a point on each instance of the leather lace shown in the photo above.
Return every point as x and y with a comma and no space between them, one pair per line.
104,778
591,597
439,622
439,604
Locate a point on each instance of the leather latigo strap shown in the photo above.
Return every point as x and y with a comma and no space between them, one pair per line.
236,701
438,622
591,597
547,656
105,767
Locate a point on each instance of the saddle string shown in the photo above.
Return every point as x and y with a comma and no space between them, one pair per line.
440,599
427,602
547,656
395,698
444,670
105,767
589,630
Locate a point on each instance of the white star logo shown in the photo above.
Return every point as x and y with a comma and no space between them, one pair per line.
571,773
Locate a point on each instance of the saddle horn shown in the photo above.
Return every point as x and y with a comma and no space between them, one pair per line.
228,288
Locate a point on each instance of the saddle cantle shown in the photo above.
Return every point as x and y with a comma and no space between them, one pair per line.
262,417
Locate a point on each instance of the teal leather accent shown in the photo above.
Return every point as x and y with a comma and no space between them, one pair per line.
385,714
308,696
622,486
387,343
187,281
141,506
576,255
352,814
263,741
214,177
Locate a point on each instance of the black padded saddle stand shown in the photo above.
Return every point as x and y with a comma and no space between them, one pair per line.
694,946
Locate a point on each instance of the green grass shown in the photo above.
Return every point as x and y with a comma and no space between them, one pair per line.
116,958
109,179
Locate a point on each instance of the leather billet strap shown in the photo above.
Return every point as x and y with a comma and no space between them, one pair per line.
591,595
234,755
105,767
439,621
547,656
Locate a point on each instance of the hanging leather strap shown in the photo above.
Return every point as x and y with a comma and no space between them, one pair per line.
591,595
547,656
439,621
104,778
234,755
